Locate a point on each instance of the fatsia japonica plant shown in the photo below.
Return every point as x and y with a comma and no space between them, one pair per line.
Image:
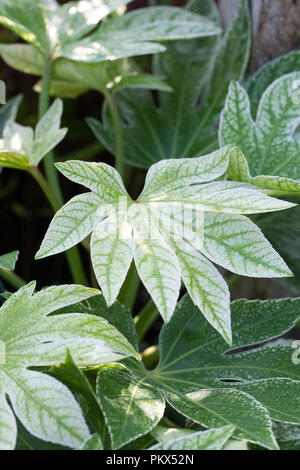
146,350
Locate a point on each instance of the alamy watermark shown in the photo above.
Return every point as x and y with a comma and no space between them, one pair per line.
157,219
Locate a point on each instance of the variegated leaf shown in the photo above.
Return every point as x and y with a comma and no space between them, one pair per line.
237,244
71,224
112,248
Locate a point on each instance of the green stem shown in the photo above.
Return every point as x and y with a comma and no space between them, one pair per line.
145,319
72,255
130,288
42,182
118,132
12,278
50,185
44,100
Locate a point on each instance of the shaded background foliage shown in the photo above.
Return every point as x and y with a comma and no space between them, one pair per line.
25,213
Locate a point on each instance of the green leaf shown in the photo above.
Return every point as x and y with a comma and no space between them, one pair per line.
23,57
193,355
92,443
32,338
76,381
189,67
179,211
212,387
131,407
75,20
130,35
8,261
25,18
280,396
213,439
270,143
213,408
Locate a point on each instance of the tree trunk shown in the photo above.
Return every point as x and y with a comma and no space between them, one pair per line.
275,27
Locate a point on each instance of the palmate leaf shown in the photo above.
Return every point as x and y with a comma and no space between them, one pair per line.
22,147
213,439
179,216
8,261
249,390
32,338
270,143
179,126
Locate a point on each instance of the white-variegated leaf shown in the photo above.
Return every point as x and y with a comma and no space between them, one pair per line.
45,407
237,244
270,143
48,133
228,197
206,287
112,249
8,425
31,338
71,224
101,178
177,174
156,262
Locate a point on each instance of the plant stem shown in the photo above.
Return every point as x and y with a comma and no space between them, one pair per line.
130,288
44,101
50,186
145,319
72,255
42,182
118,132
150,356
12,278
